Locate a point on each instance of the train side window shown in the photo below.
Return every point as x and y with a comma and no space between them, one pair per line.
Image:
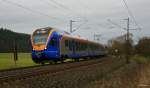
77,46
70,45
66,43
81,46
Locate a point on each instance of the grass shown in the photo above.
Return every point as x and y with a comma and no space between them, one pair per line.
141,59
7,61
24,60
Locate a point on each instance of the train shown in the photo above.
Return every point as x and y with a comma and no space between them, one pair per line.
50,44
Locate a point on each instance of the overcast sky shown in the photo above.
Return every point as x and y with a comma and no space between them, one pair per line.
27,15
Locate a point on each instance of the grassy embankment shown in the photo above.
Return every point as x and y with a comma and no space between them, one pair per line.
7,61
141,59
24,60
133,75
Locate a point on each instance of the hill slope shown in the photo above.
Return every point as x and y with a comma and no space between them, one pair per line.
7,39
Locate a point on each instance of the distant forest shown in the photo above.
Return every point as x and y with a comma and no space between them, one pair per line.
8,39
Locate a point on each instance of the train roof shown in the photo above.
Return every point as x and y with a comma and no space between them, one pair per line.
66,34
78,37
52,29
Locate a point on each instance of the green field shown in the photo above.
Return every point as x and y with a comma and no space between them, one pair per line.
7,60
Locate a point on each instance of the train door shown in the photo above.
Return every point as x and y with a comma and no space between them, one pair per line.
53,45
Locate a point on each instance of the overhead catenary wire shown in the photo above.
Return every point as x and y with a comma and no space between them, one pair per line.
48,3
28,9
130,13
61,9
115,24
55,4
80,26
59,4
65,10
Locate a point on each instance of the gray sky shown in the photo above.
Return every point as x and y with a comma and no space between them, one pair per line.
27,15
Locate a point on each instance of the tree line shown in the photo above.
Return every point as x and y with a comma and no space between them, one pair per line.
141,48
10,39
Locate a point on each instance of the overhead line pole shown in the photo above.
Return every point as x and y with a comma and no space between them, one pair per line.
71,27
97,37
127,41
71,21
127,47
15,51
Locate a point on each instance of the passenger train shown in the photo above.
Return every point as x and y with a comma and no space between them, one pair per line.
50,44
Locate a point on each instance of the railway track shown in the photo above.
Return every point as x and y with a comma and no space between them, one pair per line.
51,69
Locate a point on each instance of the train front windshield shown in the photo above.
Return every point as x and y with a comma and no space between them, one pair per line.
40,37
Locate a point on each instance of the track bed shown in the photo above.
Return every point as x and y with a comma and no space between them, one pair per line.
56,75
